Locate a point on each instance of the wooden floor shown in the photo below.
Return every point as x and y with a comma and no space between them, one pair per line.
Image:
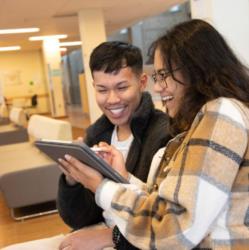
12,231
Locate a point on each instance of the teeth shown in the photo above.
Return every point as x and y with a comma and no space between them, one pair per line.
167,98
116,111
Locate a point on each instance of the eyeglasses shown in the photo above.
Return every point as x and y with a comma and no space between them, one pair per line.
161,75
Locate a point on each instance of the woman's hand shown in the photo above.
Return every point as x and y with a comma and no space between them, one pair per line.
114,158
81,173
69,179
88,238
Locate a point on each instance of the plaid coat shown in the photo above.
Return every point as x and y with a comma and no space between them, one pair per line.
197,193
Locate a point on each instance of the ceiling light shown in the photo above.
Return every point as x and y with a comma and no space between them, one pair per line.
123,31
63,49
10,48
75,43
174,9
15,31
38,38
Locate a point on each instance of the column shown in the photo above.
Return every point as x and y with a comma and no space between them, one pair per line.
92,32
230,18
52,65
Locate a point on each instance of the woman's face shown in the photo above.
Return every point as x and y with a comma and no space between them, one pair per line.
171,91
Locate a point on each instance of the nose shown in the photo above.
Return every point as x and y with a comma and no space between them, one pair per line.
113,97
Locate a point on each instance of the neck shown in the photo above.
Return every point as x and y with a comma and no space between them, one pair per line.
123,132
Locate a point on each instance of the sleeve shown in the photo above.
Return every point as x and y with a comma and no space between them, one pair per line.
194,194
76,205
134,180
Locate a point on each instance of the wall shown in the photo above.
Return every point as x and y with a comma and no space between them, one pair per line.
230,18
144,33
22,75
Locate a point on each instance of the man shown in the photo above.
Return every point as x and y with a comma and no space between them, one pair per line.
129,121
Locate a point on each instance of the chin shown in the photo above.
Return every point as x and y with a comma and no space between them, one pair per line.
171,113
119,122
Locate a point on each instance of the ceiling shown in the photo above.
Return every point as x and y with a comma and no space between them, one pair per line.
60,17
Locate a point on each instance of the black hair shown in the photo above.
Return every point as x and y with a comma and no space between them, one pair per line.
111,57
208,63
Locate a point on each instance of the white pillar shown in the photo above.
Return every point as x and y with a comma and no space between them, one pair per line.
92,32
52,65
230,18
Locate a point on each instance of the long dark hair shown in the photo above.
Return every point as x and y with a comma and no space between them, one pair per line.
211,67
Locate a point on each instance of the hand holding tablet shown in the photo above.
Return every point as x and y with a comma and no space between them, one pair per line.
79,150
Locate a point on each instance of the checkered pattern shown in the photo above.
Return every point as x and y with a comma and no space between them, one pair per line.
198,196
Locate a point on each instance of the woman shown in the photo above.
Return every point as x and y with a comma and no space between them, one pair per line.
197,190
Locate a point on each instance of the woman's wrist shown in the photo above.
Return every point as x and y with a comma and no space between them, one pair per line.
106,236
70,181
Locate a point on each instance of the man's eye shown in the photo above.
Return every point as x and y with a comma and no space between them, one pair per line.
102,91
122,88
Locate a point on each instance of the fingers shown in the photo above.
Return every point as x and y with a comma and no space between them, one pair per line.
69,163
103,144
63,169
65,244
66,248
75,164
79,139
74,168
69,168
64,166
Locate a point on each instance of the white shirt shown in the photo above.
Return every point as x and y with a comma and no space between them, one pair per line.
123,147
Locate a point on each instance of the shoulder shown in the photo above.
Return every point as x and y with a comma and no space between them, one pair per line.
227,108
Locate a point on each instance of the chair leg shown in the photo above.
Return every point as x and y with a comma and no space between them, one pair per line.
33,211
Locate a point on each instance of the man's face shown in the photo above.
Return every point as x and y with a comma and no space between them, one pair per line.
118,95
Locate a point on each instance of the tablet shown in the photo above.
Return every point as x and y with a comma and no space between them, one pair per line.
79,150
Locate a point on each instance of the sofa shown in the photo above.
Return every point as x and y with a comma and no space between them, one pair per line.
27,176
4,114
15,131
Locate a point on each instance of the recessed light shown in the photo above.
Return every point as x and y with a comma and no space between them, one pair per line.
38,38
16,31
10,48
74,43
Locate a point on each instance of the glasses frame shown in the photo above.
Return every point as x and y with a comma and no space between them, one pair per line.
161,75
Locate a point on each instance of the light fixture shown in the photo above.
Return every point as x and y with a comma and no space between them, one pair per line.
38,38
123,31
74,43
63,49
175,8
16,31
10,48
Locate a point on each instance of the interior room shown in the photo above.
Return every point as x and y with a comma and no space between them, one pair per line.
46,87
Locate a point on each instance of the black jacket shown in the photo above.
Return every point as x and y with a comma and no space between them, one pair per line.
76,204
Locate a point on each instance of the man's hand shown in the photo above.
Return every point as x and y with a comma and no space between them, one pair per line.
88,239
